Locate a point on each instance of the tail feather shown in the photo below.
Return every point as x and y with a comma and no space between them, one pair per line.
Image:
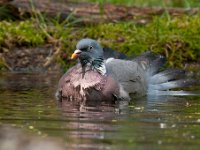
166,76
174,84
161,82
173,93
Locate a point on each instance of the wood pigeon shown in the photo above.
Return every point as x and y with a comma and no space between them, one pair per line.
106,75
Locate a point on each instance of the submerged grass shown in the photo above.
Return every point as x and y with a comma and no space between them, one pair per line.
177,38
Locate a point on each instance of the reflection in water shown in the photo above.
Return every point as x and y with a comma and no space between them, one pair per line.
88,126
27,101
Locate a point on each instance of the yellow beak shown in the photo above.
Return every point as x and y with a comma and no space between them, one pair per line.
76,54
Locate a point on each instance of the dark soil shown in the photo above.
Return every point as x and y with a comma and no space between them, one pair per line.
31,59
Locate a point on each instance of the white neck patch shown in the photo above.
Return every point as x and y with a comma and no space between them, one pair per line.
101,69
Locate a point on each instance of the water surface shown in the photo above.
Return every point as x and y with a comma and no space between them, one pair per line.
27,101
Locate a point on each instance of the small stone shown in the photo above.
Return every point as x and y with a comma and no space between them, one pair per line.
192,136
159,142
163,125
114,120
174,125
31,127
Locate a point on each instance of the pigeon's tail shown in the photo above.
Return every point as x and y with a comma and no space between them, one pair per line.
164,83
168,82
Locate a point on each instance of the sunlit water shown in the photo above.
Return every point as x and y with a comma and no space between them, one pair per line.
27,101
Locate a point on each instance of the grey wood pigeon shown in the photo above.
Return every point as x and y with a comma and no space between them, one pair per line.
99,77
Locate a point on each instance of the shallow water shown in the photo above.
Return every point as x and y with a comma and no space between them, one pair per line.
27,101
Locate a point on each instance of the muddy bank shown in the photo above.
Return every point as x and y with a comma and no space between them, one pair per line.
34,59
45,59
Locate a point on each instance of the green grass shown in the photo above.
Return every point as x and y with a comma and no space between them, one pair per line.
177,38
20,33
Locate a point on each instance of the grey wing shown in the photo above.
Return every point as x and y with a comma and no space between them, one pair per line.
129,74
110,53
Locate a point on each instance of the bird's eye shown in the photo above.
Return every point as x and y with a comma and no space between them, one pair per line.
90,47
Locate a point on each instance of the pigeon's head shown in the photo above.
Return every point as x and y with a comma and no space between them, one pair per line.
87,50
